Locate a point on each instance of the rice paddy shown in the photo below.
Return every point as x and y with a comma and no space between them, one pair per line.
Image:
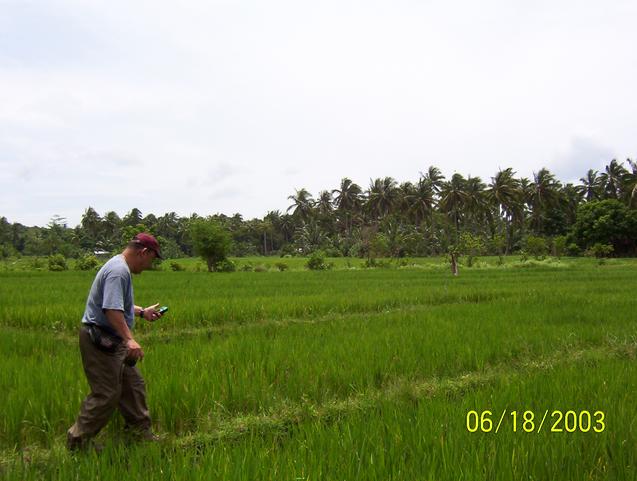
340,374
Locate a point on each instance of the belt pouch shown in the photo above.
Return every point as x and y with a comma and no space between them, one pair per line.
103,341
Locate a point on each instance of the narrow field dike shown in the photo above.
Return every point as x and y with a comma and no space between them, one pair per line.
344,374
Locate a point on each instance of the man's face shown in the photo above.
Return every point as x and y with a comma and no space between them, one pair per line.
145,257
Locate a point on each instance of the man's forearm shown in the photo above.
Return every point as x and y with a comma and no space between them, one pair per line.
117,322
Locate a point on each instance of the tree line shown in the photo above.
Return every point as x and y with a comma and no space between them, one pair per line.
431,216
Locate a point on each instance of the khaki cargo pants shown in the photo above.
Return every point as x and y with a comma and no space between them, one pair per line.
113,385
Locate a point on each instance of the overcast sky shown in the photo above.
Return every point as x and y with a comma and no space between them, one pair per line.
229,106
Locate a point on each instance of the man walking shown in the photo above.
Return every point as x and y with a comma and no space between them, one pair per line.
109,351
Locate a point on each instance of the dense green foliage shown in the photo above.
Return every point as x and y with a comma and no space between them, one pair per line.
607,222
341,374
212,243
426,217
57,262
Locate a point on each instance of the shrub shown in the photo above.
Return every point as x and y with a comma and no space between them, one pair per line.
559,246
57,262
211,241
225,265
573,249
262,268
246,268
536,246
87,262
287,250
472,246
606,222
379,246
176,266
599,250
7,250
379,263
282,266
36,263
316,262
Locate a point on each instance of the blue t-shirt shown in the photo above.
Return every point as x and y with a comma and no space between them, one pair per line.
111,289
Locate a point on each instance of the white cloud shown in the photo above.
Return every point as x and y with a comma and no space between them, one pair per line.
232,105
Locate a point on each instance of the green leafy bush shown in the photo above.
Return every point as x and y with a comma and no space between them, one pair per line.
559,246
380,263
606,222
536,246
599,250
226,265
472,246
281,266
36,263
211,241
87,262
7,250
176,267
573,249
316,262
57,262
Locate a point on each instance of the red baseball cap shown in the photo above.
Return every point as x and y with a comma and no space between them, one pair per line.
149,242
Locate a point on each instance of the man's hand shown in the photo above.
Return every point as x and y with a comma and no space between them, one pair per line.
151,313
134,350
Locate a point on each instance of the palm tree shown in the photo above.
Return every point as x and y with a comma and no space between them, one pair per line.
275,219
422,202
150,221
92,225
133,218
286,226
571,199
324,203
382,196
348,201
591,186
544,194
505,194
613,179
630,184
476,203
453,199
404,200
111,228
302,204
435,178
266,229
310,237
325,212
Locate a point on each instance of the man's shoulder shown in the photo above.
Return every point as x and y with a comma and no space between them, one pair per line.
115,267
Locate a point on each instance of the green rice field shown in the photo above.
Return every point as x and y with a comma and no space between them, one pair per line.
521,371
